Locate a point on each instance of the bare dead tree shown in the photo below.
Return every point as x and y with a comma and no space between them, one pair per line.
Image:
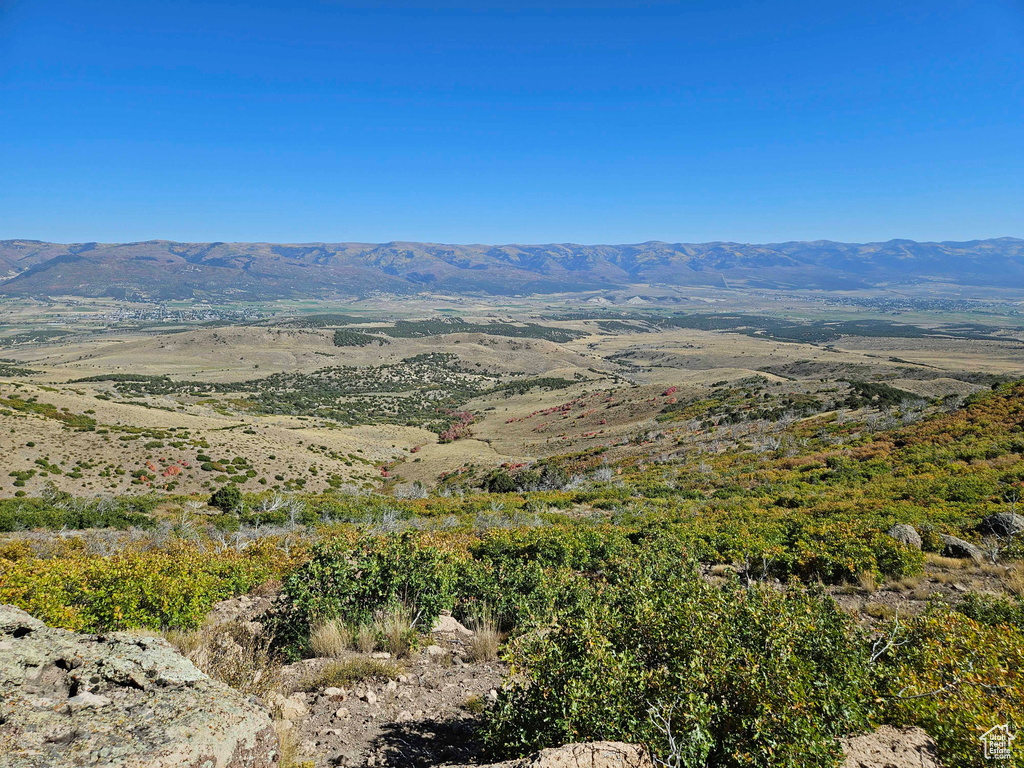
751,572
888,642
690,751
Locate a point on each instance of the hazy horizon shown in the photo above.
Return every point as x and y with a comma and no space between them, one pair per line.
492,243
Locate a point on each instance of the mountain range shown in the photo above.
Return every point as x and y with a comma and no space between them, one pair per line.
162,270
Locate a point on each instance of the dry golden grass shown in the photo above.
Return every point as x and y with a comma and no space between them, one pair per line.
1013,580
346,672
474,704
486,639
143,632
332,638
880,611
396,628
949,563
185,642
905,584
366,638
233,654
867,582
288,746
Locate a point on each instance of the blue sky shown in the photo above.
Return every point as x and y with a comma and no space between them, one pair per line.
526,122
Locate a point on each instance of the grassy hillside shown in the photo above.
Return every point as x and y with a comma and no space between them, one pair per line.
748,599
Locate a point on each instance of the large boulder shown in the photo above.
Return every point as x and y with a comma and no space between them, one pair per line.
118,700
1002,524
906,534
595,754
890,747
954,547
450,628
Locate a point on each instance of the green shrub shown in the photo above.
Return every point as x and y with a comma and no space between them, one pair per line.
931,539
500,481
226,499
132,589
37,513
581,548
955,678
226,523
751,676
839,551
524,576
993,609
352,582
518,595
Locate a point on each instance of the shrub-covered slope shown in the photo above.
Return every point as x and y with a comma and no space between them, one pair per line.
699,602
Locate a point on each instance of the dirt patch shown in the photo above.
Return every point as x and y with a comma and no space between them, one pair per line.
890,747
426,715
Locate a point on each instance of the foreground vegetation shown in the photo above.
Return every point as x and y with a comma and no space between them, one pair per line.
685,600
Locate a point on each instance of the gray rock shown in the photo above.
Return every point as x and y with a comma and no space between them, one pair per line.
84,700
906,534
1002,524
118,700
293,707
954,547
448,626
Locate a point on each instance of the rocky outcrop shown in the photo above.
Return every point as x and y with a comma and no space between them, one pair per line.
890,747
906,534
954,547
597,754
449,628
1002,524
118,700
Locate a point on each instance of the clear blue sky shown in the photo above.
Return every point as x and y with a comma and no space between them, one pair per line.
518,122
